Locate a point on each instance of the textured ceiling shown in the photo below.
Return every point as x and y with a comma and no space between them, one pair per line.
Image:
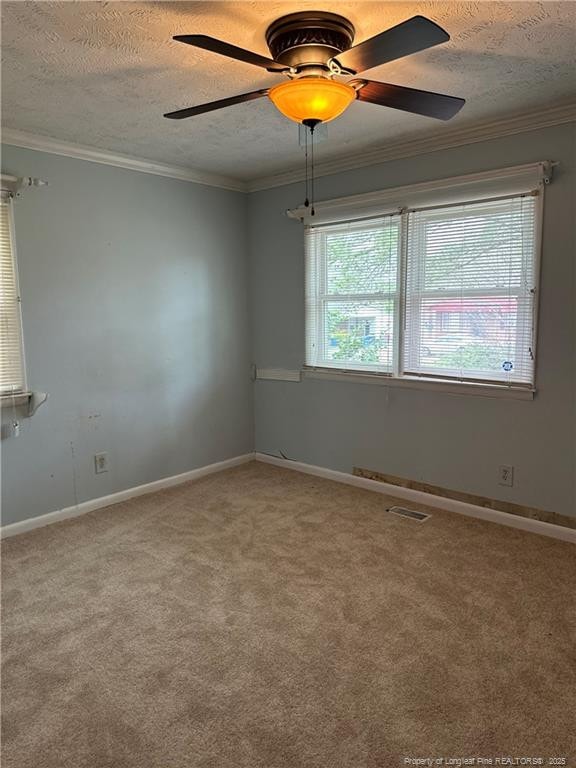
102,73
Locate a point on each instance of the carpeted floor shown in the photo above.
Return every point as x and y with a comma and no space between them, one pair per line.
262,618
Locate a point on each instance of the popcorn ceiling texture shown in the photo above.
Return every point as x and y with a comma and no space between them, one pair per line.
103,73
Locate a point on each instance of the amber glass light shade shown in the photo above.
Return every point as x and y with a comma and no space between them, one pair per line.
312,98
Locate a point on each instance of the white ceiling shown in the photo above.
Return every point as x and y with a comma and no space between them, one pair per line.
102,73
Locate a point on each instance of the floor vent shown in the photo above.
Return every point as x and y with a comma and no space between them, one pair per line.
413,514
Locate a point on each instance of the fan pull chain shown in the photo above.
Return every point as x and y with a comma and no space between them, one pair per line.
309,202
306,201
312,212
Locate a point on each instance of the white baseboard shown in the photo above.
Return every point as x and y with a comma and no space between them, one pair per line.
115,498
450,505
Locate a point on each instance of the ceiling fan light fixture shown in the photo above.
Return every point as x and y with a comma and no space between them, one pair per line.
312,98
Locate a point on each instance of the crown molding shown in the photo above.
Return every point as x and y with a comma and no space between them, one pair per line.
508,126
27,140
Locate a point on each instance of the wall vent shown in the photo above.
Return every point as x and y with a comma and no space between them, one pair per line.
412,514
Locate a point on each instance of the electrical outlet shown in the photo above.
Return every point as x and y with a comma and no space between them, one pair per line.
506,475
100,463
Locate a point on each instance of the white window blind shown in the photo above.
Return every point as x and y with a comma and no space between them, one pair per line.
352,294
470,291
11,357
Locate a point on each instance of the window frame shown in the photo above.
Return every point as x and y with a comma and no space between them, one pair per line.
510,182
7,196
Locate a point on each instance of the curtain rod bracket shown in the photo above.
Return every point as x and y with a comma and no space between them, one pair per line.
15,184
547,171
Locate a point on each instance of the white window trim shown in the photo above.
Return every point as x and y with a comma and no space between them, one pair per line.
513,180
449,386
474,186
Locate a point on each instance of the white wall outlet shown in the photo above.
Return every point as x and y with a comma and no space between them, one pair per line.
506,475
100,463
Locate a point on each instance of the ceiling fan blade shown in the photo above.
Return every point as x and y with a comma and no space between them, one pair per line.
408,99
415,34
232,51
179,114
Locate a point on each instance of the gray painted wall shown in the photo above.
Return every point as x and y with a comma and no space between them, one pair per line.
456,441
135,321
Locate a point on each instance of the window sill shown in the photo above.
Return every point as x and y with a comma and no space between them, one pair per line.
413,382
18,398
32,400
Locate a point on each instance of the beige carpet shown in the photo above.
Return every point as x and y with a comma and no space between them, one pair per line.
261,618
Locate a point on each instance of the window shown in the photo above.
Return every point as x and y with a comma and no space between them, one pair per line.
354,297
445,292
470,287
12,378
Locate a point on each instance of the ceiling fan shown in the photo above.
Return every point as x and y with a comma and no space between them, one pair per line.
312,48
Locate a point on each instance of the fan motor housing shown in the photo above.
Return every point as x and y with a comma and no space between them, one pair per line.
309,38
